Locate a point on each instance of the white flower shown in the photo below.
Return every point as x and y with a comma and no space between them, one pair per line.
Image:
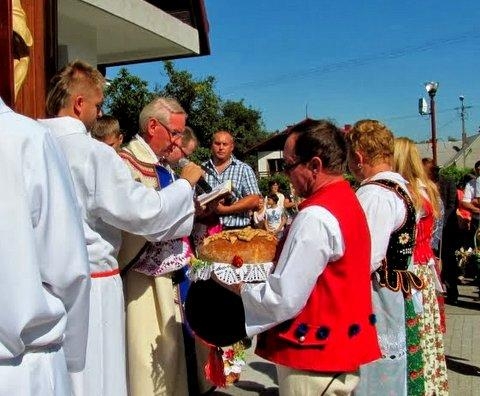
234,367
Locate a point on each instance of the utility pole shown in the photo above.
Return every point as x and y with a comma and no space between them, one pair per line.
433,127
464,133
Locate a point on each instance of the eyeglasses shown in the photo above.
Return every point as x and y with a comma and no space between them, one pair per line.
183,148
174,134
287,168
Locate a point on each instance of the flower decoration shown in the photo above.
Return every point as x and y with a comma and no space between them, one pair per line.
463,255
233,360
197,264
404,238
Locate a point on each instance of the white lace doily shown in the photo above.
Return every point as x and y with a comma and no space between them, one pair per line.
230,275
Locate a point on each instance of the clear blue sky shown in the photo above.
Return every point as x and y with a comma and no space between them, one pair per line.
344,60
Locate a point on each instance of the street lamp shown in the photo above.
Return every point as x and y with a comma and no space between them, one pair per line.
432,88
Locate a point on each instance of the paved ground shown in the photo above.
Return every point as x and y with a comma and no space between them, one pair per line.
462,345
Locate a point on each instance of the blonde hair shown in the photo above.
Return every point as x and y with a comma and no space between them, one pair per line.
76,77
159,108
105,126
373,139
407,162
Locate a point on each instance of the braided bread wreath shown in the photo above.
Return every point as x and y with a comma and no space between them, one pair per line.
214,313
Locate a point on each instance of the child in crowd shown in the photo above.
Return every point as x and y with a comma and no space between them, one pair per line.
291,204
258,215
107,130
275,218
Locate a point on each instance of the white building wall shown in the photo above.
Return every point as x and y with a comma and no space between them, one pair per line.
264,156
81,39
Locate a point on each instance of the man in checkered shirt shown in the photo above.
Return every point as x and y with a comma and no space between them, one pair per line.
222,166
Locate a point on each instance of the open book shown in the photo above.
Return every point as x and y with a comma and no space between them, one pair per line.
219,191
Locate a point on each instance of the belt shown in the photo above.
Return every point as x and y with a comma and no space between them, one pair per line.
105,274
17,360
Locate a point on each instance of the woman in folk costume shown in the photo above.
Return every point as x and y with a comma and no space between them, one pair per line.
390,213
157,341
426,199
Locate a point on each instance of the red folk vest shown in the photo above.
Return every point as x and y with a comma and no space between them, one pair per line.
335,331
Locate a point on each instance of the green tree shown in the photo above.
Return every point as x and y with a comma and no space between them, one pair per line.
125,97
127,94
208,113
244,122
454,173
197,97
282,180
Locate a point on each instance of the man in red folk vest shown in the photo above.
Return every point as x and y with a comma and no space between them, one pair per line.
314,312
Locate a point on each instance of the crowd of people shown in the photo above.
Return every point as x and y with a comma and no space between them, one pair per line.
95,301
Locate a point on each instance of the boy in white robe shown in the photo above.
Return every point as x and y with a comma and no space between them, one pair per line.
45,283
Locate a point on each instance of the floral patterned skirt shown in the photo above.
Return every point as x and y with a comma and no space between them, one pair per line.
415,373
387,376
431,337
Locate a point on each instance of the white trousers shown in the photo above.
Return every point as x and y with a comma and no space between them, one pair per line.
35,374
293,382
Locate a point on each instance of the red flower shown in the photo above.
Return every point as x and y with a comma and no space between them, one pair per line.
412,322
414,375
237,261
413,348
228,354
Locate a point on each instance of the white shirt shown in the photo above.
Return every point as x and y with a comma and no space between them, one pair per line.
385,212
476,188
469,194
45,279
469,191
112,201
313,240
274,217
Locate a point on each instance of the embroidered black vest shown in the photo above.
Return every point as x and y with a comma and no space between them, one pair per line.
394,272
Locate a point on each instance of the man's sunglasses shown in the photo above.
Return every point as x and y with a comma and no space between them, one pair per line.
287,168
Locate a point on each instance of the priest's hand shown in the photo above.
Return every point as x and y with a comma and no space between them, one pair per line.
192,173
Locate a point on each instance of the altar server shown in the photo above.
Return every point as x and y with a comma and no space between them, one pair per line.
111,201
45,282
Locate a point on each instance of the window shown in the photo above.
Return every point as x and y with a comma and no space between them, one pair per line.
275,165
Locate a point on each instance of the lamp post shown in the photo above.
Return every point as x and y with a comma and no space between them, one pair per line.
431,88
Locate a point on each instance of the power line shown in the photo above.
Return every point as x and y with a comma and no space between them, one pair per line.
356,62
448,122
404,117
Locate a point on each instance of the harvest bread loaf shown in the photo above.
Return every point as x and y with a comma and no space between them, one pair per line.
213,312
251,245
